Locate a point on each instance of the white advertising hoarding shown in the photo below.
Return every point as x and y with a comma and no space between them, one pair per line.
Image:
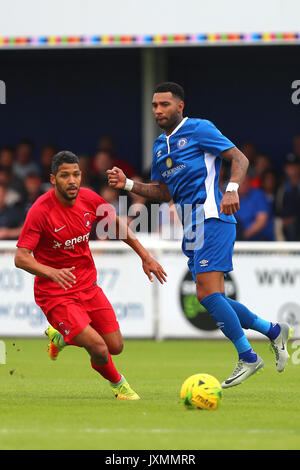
19,314
121,278
269,285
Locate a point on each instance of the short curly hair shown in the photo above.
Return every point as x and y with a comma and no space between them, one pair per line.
59,158
172,87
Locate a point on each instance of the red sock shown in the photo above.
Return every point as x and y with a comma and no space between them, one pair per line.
108,371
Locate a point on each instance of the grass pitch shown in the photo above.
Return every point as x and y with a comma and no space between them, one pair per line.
67,405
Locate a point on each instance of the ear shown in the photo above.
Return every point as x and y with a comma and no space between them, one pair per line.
181,106
52,179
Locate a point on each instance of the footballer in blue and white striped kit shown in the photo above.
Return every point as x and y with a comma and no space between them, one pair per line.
186,164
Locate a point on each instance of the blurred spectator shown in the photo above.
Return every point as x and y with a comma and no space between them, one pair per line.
33,186
296,146
111,195
255,216
11,217
269,209
249,149
108,144
24,163
146,175
85,167
47,153
269,185
288,200
15,186
7,156
101,162
262,163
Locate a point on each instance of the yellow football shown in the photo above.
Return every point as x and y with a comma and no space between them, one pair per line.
201,392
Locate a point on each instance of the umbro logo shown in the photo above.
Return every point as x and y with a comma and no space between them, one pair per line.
203,263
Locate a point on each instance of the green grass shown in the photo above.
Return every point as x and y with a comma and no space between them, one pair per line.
67,405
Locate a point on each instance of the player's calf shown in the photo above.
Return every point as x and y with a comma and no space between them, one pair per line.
89,339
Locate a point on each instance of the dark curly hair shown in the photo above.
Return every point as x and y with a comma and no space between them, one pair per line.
64,156
172,87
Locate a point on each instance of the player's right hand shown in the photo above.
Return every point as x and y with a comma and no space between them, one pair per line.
116,178
230,203
64,277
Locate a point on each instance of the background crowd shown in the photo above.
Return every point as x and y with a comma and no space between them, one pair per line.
269,197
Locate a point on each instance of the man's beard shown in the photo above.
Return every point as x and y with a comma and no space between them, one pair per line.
170,124
65,194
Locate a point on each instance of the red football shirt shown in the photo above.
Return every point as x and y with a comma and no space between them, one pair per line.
59,237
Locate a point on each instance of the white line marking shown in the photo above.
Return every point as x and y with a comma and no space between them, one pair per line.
154,431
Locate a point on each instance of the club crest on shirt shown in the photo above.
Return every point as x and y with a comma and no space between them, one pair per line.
87,219
169,162
182,143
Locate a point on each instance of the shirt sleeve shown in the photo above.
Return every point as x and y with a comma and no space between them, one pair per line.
211,140
155,173
32,229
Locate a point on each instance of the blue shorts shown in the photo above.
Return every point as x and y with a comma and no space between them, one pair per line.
216,251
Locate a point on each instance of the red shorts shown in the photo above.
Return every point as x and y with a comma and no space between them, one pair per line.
71,313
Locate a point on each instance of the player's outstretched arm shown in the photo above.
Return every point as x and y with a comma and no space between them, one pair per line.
156,190
149,264
24,260
239,166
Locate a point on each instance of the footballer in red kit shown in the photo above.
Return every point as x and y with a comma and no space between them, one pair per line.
54,246
58,235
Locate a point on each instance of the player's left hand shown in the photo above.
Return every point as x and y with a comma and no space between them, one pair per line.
152,266
230,203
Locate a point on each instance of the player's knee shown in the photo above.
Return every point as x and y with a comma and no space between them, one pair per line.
201,291
116,348
99,353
